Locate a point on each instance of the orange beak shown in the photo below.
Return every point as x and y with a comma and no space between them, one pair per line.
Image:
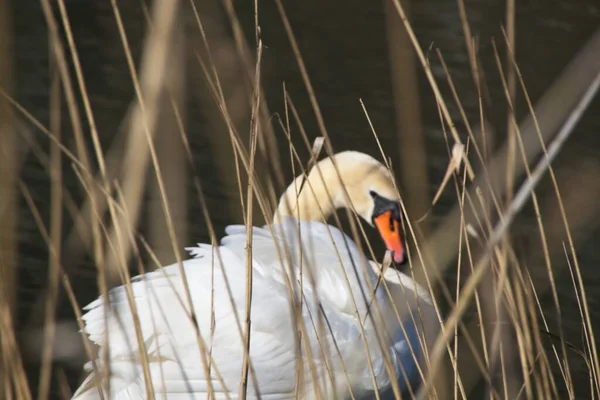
389,229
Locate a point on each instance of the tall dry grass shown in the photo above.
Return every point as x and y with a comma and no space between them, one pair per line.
8,202
494,329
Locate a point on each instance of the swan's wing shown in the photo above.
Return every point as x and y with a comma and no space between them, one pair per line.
169,336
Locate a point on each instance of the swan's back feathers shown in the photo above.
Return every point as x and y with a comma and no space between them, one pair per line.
313,253
216,279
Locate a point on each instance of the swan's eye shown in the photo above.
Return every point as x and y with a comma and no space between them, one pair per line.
396,212
373,194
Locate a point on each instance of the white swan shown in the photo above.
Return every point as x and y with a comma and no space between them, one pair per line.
347,329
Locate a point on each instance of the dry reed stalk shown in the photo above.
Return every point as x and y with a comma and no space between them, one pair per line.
134,181
8,197
487,310
170,152
503,357
411,141
511,88
227,60
206,215
8,166
83,158
529,342
483,145
65,280
14,380
81,232
305,76
548,381
36,316
240,153
270,159
148,87
87,180
501,330
61,60
484,226
402,13
80,238
254,123
489,199
56,216
461,191
226,67
485,133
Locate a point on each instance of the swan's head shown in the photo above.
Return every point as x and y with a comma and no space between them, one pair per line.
360,183
386,216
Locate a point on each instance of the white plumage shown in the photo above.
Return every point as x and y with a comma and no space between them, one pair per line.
337,298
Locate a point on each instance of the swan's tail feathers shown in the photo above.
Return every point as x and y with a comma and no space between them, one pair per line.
124,384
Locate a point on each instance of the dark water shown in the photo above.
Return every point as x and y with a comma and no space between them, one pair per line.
345,50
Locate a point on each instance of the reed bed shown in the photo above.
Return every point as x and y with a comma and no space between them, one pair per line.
496,338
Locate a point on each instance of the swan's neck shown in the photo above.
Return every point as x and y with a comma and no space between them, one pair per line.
313,197
327,188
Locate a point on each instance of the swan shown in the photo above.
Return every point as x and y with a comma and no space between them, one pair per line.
323,323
